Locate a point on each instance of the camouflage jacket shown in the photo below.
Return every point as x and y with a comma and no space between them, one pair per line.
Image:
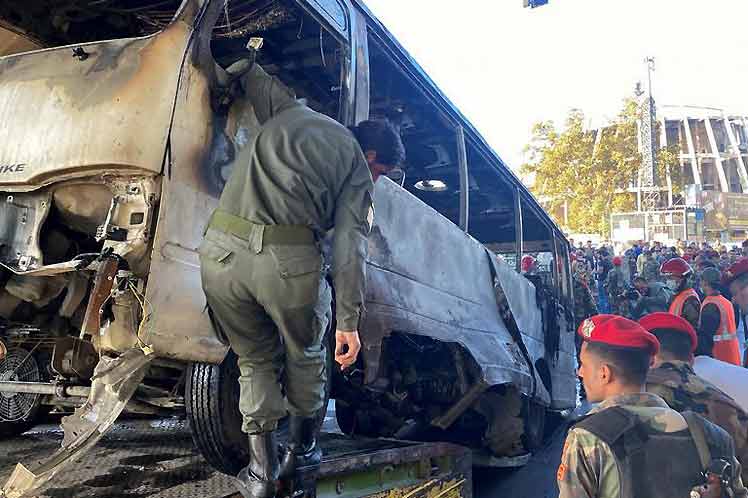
584,303
588,466
614,283
680,387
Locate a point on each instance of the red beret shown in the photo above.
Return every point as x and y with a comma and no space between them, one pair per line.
614,330
662,320
737,269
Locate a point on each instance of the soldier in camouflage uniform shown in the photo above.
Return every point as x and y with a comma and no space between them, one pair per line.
584,303
624,447
674,380
614,285
302,174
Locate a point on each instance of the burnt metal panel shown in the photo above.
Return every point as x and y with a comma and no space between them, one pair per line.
427,277
180,327
74,114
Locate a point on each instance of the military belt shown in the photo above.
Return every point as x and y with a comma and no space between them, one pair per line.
295,235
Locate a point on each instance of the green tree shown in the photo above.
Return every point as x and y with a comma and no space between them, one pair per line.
590,172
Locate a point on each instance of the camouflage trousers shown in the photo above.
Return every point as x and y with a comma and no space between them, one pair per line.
273,304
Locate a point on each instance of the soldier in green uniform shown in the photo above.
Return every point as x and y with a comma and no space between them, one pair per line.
674,380
301,175
614,285
625,447
651,269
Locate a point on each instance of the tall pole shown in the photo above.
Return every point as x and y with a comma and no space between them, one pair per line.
648,170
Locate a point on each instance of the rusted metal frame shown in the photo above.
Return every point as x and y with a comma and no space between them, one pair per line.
518,236
103,283
464,180
449,417
60,390
398,454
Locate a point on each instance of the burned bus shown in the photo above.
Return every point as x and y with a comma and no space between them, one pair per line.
120,127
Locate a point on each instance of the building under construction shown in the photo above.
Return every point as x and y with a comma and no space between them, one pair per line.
709,198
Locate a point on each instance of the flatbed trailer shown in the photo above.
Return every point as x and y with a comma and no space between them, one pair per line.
355,467
157,459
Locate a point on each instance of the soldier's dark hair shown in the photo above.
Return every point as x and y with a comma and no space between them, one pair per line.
674,343
380,136
630,365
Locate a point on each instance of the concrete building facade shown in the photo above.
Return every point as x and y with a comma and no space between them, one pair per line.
713,148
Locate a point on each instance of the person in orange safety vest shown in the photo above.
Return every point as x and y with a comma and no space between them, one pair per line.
685,302
717,328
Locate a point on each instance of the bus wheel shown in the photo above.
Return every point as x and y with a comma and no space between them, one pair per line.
212,401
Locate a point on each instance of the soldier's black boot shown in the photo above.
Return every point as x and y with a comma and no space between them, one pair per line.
259,479
302,451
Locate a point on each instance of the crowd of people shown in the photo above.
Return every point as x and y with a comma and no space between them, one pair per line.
661,353
688,279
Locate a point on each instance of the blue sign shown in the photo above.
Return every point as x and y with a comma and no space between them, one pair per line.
535,3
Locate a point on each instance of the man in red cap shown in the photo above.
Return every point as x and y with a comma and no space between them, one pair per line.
624,448
685,301
673,379
528,265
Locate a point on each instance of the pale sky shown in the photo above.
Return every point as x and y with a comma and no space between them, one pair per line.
507,67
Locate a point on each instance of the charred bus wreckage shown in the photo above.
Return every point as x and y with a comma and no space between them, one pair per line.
113,156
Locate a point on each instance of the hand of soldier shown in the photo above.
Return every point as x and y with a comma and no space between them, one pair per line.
347,346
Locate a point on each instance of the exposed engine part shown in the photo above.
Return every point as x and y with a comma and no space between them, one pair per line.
443,398
121,332
58,390
19,365
73,357
114,382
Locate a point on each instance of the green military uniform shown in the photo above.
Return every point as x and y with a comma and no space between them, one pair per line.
263,275
614,284
683,390
584,303
651,270
588,465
